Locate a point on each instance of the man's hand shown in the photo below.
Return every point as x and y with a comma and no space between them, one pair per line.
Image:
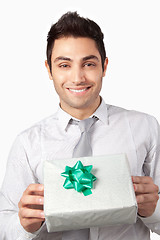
31,208
146,194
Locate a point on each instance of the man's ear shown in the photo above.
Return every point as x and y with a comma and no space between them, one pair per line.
105,66
48,69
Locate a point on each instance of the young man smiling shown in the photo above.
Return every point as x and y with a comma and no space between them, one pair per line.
76,63
77,74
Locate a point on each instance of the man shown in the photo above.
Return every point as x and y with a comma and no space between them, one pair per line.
76,63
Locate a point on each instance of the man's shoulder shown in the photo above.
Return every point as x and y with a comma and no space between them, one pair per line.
112,109
36,130
134,117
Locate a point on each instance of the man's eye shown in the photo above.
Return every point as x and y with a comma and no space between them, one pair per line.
64,66
89,64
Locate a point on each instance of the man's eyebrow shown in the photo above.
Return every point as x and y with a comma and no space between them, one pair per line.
63,58
69,59
90,57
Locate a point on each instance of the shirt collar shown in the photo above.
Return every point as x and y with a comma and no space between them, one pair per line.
101,113
63,118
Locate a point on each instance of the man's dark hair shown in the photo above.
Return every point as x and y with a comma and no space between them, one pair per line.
71,24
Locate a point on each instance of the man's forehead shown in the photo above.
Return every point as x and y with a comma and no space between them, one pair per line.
81,48
72,43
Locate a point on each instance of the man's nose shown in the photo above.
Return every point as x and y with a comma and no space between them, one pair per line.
78,75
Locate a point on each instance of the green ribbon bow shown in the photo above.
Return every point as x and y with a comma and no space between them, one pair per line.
79,177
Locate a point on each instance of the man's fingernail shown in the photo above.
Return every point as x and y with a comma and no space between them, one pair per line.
41,200
42,215
40,187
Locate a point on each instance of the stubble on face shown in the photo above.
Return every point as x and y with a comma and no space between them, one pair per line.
77,75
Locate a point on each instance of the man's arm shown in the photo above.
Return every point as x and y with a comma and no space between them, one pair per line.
31,212
147,187
146,194
18,177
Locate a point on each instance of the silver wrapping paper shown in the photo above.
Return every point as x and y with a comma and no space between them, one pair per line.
112,200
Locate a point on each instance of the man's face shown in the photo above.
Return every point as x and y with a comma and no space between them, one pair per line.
77,74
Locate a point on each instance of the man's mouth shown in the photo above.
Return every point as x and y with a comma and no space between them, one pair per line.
78,90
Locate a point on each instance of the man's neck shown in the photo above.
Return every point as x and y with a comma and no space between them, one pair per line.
82,113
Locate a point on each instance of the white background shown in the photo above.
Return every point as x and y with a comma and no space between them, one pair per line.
132,39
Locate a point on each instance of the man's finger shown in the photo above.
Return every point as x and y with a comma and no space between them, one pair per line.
147,198
29,221
34,188
31,200
142,179
145,188
31,213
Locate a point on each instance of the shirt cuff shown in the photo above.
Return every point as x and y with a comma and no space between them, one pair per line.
154,218
28,235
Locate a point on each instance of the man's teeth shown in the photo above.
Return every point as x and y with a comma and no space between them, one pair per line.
76,90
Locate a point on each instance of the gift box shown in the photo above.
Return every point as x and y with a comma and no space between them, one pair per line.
110,201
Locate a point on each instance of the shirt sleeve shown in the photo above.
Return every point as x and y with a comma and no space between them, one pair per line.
17,178
152,169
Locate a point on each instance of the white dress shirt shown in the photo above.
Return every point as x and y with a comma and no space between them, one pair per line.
117,131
